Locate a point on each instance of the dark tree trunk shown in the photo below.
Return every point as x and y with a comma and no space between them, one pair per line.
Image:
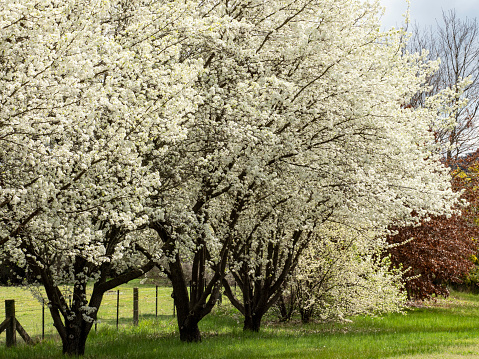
75,346
194,306
73,332
252,322
259,295
189,331
286,306
306,315
75,340
187,322
283,312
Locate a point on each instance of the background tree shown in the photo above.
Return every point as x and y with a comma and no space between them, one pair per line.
438,251
456,43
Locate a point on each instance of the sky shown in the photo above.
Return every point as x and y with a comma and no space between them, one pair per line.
425,12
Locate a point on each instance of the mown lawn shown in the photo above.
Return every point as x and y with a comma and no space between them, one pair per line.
446,329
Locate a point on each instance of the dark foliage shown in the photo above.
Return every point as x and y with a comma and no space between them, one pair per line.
439,251
10,273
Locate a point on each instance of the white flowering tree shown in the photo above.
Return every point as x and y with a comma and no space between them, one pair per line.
234,130
88,88
301,121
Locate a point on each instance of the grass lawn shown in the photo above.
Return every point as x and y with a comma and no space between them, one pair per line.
446,329
28,307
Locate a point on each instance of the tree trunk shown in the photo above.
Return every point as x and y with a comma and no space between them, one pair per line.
75,340
306,315
252,323
187,323
283,312
286,306
189,331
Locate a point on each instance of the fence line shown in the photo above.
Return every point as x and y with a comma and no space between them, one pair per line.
118,308
115,310
11,325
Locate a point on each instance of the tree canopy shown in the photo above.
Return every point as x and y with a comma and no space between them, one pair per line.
223,135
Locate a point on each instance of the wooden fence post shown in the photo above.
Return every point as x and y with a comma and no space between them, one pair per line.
12,326
43,319
11,329
135,306
156,302
117,308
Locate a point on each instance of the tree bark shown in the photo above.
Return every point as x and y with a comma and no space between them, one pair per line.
306,315
194,306
75,341
252,322
260,295
286,306
187,322
189,331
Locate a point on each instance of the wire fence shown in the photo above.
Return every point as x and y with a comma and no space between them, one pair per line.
117,308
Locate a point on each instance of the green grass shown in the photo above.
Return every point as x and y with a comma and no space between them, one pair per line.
29,309
447,329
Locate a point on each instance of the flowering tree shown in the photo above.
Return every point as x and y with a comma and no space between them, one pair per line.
438,250
233,130
301,122
87,88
